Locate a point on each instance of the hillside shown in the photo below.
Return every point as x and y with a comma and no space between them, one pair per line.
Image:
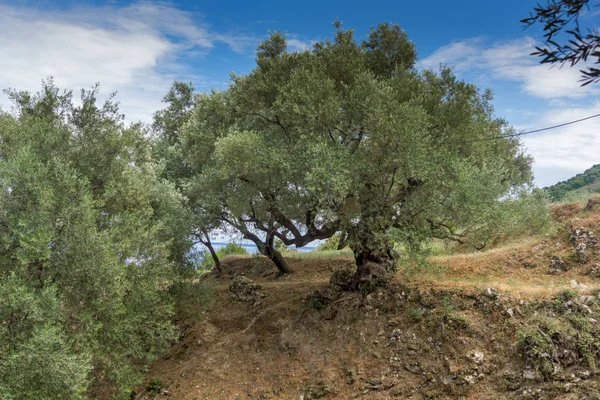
578,186
517,322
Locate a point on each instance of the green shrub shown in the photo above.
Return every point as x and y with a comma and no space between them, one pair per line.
316,300
154,386
86,248
330,244
229,249
536,344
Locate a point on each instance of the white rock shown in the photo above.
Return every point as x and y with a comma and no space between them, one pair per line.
477,357
529,374
576,285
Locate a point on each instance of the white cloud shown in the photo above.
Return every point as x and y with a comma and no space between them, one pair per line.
559,153
295,44
511,61
567,150
133,50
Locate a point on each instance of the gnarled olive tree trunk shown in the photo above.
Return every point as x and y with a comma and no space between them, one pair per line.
374,256
267,248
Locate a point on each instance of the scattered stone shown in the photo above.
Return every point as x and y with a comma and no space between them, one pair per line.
568,357
395,335
584,374
373,384
575,285
587,309
470,379
245,289
579,233
592,203
477,357
580,254
595,271
574,379
587,300
530,374
531,393
587,238
568,387
557,265
509,312
317,390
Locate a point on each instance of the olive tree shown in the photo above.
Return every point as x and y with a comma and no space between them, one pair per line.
564,41
349,137
85,240
167,127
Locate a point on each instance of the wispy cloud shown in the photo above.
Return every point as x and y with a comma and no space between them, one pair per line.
573,147
547,97
295,44
510,61
135,49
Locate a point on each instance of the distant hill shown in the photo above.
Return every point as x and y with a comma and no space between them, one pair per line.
577,186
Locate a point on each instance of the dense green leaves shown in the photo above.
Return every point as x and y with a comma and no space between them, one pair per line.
348,136
85,234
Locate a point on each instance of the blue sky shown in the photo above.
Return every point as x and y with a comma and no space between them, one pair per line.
139,48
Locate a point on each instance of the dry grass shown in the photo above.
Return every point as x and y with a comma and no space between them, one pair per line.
319,254
280,347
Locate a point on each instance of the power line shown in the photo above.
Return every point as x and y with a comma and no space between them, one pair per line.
525,133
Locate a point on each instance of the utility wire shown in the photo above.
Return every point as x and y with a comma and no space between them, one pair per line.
525,133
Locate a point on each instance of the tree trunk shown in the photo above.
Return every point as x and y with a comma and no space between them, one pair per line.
205,240
374,261
274,255
215,258
268,249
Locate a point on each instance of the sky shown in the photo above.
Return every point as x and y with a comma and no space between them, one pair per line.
137,48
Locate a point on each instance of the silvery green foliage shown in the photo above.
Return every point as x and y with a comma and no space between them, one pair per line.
349,136
83,248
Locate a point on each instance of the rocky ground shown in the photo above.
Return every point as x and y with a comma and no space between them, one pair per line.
518,322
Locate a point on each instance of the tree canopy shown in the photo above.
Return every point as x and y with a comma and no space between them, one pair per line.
349,136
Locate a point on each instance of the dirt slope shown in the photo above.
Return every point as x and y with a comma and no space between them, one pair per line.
502,324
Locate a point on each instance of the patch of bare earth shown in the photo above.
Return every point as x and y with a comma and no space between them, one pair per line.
456,330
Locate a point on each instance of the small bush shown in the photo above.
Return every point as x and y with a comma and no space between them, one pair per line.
342,279
316,300
229,249
330,244
566,295
154,386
